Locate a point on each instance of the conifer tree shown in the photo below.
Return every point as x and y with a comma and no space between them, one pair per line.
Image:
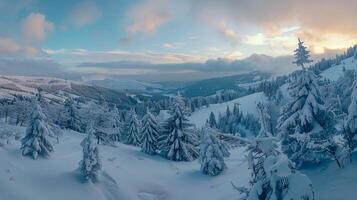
149,134
179,140
212,120
302,55
212,153
36,142
133,129
305,125
72,118
350,127
91,164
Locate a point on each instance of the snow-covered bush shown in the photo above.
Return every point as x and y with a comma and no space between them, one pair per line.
149,134
273,174
179,140
212,153
91,164
36,142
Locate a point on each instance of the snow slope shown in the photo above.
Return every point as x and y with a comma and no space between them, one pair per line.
128,175
247,104
336,71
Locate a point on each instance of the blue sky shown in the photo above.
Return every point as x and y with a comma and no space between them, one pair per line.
170,31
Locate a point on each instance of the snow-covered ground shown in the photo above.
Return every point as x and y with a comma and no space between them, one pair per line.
132,175
127,174
247,104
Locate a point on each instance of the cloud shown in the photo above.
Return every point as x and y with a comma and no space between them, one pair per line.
35,28
31,67
228,33
323,20
175,45
7,46
148,16
85,13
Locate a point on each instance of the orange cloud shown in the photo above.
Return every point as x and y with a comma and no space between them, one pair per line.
323,23
147,17
35,27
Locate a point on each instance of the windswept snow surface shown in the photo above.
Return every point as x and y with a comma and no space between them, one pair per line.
336,71
247,104
128,174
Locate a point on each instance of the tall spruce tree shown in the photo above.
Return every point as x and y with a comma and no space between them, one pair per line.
133,129
149,134
350,127
37,142
91,164
302,55
179,139
212,153
305,125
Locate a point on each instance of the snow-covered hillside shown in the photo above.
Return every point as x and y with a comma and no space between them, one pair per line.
128,174
58,89
27,86
247,104
336,71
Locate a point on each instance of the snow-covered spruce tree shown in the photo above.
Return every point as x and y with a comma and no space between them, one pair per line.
302,55
91,164
305,125
212,120
179,140
133,129
350,127
273,174
149,134
116,122
36,142
212,153
72,119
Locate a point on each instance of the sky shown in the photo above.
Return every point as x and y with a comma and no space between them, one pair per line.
116,36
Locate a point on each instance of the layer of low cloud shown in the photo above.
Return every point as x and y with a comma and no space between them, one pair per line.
29,67
114,55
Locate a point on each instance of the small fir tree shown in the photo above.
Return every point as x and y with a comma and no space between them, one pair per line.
150,133
133,129
212,153
212,120
36,142
91,164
